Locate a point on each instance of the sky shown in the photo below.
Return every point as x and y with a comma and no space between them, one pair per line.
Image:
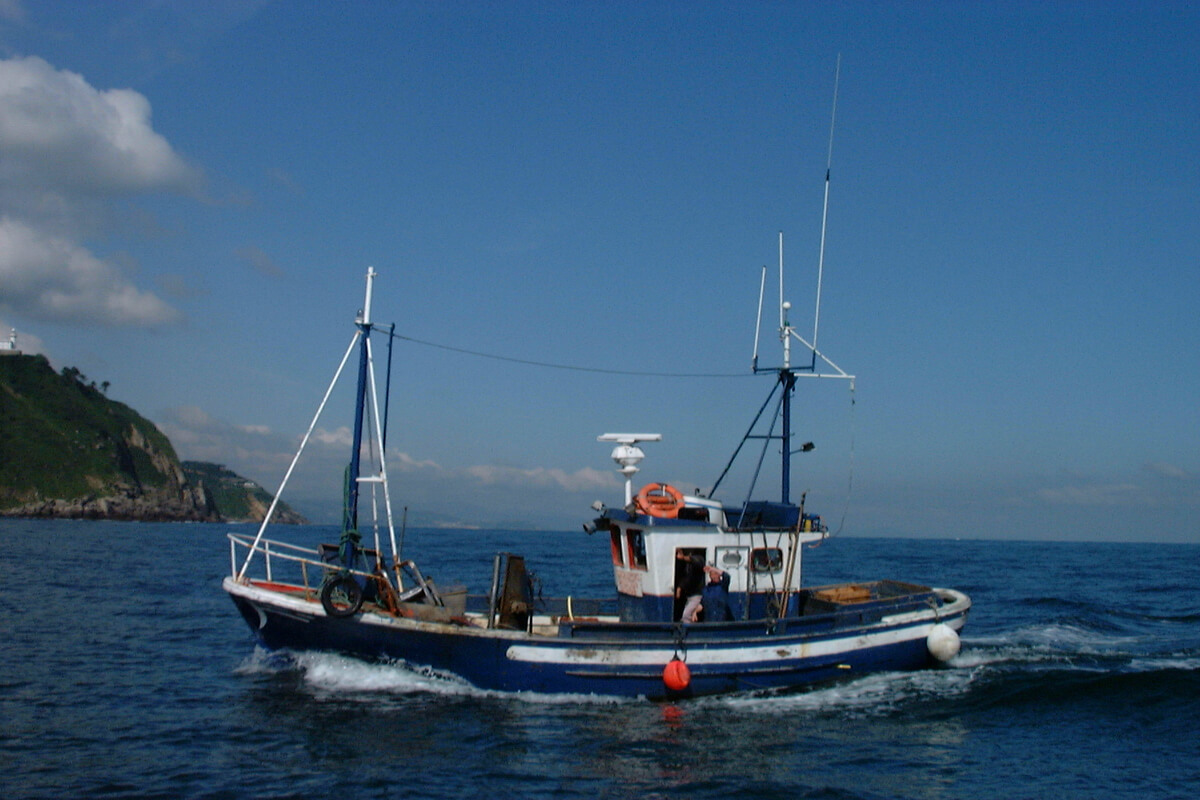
191,194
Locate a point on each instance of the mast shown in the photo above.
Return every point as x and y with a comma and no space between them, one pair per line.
787,373
350,516
789,385
350,510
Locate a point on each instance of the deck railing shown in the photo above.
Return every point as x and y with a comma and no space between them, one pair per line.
274,551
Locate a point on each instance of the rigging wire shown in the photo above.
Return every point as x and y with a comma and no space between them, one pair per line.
570,367
850,477
850,471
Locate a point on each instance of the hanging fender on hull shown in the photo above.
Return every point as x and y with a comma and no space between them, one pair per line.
943,642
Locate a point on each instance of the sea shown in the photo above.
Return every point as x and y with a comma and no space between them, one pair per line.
127,673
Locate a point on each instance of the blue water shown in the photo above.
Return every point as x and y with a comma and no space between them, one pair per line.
127,673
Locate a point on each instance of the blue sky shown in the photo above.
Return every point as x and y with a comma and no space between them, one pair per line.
191,193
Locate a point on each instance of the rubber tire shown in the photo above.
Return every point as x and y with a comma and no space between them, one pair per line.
341,596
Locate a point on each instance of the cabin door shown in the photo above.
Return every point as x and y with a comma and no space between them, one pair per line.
689,576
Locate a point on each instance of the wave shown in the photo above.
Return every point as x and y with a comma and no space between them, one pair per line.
1045,664
1144,609
878,693
1160,693
1066,638
1075,641
333,676
1174,689
342,675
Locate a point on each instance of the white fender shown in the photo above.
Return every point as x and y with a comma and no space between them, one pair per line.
943,642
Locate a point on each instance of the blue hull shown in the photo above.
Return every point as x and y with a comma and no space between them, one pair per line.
612,658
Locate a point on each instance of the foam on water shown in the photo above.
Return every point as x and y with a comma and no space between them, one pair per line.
330,673
1181,662
348,677
876,693
344,677
1059,637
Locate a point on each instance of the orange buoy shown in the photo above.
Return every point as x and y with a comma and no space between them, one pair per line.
660,500
676,675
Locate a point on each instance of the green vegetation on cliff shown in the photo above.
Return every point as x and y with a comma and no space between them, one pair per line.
67,450
237,498
62,439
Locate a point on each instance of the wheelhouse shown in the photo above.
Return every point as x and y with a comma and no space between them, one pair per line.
758,545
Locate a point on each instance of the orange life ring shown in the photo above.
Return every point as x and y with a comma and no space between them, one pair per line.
660,500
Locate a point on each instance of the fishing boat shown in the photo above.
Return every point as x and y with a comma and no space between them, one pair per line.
708,595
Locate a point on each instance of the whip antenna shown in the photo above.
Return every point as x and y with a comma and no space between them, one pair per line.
762,284
825,210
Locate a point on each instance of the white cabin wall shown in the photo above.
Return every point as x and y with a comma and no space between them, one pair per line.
730,551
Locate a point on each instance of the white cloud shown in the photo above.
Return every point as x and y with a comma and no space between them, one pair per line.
403,462
542,477
59,132
193,416
477,495
48,277
338,436
251,450
68,153
1165,470
1121,494
262,262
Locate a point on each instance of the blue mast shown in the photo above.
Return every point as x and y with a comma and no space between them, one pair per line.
353,471
350,520
788,381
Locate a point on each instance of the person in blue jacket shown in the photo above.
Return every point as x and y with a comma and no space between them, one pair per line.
715,596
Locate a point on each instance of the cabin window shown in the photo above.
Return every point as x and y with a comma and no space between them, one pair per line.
637,550
732,558
766,559
615,539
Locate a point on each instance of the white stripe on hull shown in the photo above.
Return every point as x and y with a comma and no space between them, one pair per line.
704,653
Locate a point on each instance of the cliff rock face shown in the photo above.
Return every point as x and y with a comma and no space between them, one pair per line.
236,498
125,502
66,450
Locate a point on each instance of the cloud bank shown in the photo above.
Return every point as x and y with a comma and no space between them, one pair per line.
68,154
484,494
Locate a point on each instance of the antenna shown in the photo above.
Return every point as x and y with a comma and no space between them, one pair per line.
781,315
825,210
784,307
762,284
787,373
366,312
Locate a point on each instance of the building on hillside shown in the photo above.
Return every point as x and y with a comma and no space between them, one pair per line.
9,348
